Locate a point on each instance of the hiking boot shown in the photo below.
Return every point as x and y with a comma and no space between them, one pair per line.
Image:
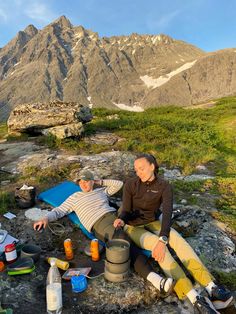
166,287
221,297
203,306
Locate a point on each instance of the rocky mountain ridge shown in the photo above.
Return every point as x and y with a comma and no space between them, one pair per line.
73,64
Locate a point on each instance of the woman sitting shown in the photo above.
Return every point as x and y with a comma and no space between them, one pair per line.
146,197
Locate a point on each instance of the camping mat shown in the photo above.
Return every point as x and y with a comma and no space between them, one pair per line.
58,194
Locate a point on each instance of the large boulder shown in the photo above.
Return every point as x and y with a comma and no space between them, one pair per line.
67,130
57,118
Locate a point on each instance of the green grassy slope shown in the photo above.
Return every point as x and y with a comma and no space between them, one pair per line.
178,137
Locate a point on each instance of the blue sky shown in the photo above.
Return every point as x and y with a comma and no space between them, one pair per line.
208,24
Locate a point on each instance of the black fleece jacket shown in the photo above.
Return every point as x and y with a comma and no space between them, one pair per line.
143,202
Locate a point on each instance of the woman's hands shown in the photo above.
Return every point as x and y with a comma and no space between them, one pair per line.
118,223
41,223
159,251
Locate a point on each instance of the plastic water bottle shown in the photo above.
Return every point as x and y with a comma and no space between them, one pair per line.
54,290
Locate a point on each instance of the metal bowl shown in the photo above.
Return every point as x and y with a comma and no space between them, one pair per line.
31,250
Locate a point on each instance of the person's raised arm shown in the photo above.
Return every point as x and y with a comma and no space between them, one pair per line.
112,186
58,212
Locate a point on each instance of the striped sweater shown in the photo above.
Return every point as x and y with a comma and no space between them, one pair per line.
89,206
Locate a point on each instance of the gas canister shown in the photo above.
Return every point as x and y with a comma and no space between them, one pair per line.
94,248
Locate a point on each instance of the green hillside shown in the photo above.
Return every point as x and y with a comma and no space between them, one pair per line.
176,136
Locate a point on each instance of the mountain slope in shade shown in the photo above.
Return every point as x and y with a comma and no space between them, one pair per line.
210,77
71,63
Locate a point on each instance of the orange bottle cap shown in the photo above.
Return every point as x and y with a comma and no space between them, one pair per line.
2,266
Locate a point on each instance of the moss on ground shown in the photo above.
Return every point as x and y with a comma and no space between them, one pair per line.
227,279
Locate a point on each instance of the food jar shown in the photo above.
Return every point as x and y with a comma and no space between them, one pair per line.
10,252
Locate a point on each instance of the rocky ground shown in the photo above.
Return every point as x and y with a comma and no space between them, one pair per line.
26,293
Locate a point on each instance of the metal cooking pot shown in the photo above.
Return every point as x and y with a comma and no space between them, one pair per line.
117,251
115,277
117,268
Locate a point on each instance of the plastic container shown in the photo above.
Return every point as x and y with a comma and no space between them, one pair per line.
79,283
10,253
94,249
60,263
54,290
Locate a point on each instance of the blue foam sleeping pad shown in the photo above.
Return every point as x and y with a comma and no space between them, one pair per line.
58,194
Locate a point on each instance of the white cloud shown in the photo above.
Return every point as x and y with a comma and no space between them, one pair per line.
19,10
165,20
3,15
39,11
161,22
18,2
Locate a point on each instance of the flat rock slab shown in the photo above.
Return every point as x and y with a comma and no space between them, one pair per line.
102,138
11,154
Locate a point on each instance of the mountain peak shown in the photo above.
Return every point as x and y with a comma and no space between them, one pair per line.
31,30
63,22
165,38
75,64
24,36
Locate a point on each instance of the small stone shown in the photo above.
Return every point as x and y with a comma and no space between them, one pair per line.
183,224
201,168
5,182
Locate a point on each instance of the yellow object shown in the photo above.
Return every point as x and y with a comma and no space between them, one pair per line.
60,264
68,249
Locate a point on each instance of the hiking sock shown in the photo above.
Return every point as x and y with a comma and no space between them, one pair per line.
192,295
156,279
210,286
